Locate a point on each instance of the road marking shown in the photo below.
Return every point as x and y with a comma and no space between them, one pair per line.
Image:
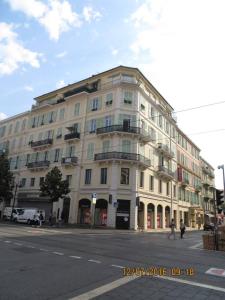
18,244
32,247
41,249
94,261
77,257
105,288
216,272
7,242
58,253
206,286
196,246
117,266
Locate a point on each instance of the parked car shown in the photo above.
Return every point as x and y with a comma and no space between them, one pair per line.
9,211
208,226
27,215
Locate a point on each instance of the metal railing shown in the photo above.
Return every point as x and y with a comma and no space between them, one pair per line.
41,143
38,164
72,135
69,160
165,171
123,156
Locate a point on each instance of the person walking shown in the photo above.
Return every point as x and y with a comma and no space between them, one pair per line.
41,219
182,228
172,228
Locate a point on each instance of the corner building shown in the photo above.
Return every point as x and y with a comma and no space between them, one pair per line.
114,135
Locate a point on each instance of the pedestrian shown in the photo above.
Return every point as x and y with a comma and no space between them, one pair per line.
50,219
182,228
41,219
172,229
36,220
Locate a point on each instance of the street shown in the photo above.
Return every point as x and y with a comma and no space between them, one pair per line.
70,263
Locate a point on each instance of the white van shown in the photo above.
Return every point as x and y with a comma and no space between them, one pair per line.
27,215
8,211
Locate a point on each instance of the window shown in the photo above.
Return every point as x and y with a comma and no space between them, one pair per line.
105,146
174,191
88,176
57,151
153,114
126,145
27,159
160,186
92,126
142,179
61,114
10,128
90,151
45,155
70,151
95,104
142,107
109,99
42,179
103,175
151,183
77,109
160,121
69,179
23,182
59,133
167,188
124,179
17,127
108,121
32,181
128,97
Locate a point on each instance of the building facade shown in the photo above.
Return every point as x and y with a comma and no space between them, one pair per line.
115,137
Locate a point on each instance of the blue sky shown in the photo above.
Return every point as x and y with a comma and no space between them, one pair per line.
178,45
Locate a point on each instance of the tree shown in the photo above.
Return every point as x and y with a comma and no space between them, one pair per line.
53,186
6,178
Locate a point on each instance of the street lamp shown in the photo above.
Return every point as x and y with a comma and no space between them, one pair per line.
222,167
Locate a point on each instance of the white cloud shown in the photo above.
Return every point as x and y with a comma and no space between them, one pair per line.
28,88
179,46
61,54
60,84
56,16
12,52
114,52
3,116
90,14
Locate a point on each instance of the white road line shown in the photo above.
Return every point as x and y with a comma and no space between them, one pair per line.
117,266
77,257
7,242
32,247
58,253
94,261
196,246
105,288
41,249
206,286
18,244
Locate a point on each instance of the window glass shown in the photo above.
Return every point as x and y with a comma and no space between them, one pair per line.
124,178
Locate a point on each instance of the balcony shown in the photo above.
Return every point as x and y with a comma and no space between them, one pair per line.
38,165
123,156
165,173
137,131
72,136
164,149
198,188
41,143
211,174
69,161
206,182
208,195
184,182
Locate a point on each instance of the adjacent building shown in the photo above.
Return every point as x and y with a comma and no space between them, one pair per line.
115,137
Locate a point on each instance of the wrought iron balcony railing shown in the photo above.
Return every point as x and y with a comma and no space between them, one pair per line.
41,143
38,164
123,156
164,149
69,160
165,173
72,136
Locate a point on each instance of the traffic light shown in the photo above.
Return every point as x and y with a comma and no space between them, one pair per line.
219,197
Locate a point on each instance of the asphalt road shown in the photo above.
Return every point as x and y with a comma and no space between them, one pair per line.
68,263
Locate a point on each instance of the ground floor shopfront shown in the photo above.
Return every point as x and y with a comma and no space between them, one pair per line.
124,213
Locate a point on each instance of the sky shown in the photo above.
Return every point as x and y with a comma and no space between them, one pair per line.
179,45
